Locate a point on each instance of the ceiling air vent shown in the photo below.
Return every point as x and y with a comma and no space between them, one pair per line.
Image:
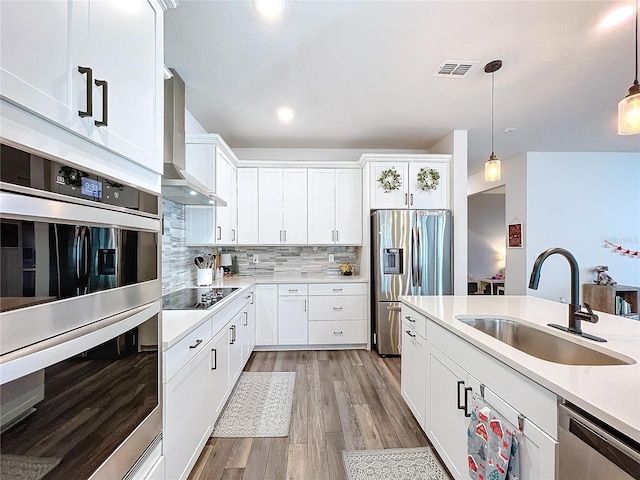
454,69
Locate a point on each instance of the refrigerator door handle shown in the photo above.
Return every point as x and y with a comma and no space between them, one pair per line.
418,255
416,270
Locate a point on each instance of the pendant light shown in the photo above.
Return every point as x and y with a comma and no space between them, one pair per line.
492,167
629,107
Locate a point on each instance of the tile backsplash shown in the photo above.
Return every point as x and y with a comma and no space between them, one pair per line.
179,272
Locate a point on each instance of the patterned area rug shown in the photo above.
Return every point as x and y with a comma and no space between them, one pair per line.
18,467
393,464
259,406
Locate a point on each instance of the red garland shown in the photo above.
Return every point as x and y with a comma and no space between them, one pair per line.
623,250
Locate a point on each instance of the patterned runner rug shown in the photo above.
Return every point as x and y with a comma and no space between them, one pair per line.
259,406
393,464
18,467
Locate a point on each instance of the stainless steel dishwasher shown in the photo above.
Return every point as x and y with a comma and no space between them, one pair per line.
590,449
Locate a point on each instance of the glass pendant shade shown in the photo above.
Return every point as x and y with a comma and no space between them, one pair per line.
492,169
629,112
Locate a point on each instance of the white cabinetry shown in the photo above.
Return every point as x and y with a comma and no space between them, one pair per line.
219,371
235,347
449,387
119,88
414,376
247,206
282,206
335,206
248,326
409,194
292,314
213,162
266,314
337,313
188,396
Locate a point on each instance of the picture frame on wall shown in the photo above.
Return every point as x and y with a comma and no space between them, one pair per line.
514,231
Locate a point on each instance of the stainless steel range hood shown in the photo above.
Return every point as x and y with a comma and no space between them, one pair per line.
178,184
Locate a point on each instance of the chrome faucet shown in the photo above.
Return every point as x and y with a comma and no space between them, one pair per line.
576,315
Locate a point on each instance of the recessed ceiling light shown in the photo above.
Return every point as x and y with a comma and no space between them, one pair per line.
616,17
509,129
269,8
193,192
285,114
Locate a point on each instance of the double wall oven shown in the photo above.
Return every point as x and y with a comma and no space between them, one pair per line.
80,297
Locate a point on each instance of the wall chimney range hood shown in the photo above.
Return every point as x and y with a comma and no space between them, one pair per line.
179,185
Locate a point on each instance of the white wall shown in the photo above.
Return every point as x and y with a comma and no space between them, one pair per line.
455,143
576,201
486,240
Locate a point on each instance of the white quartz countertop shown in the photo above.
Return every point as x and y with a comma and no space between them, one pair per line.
176,324
610,393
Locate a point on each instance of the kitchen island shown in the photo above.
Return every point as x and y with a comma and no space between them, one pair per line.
526,385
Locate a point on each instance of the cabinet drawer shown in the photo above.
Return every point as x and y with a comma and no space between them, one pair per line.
187,348
337,332
293,289
414,320
338,289
346,307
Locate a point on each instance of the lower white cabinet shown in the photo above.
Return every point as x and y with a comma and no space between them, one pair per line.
337,313
187,406
439,389
266,308
447,402
199,375
414,376
292,318
219,377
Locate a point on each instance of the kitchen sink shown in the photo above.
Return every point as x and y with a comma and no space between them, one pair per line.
541,344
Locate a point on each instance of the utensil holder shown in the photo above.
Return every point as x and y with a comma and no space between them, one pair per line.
204,277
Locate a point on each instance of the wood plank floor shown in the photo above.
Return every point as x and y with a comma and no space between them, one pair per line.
343,400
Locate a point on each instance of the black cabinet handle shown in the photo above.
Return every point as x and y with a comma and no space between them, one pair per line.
195,345
466,401
410,334
105,103
411,201
460,407
89,107
410,319
215,358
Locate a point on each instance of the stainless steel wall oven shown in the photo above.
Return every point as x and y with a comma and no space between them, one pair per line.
80,297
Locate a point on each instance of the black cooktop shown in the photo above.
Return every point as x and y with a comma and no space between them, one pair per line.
195,298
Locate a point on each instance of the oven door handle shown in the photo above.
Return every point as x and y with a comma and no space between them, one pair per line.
84,260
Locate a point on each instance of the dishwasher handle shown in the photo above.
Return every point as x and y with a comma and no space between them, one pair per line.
615,449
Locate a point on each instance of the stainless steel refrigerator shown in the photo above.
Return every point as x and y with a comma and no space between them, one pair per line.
411,255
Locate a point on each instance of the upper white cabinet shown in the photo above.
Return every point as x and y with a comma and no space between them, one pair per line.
247,206
210,160
282,206
91,67
405,188
335,206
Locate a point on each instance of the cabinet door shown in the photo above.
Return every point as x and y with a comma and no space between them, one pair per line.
132,66
249,327
414,372
200,225
247,206
200,162
37,69
349,206
292,320
446,423
266,300
438,198
270,231
187,401
220,384
322,208
393,199
294,211
226,189
235,347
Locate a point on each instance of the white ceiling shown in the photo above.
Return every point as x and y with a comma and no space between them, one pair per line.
359,73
